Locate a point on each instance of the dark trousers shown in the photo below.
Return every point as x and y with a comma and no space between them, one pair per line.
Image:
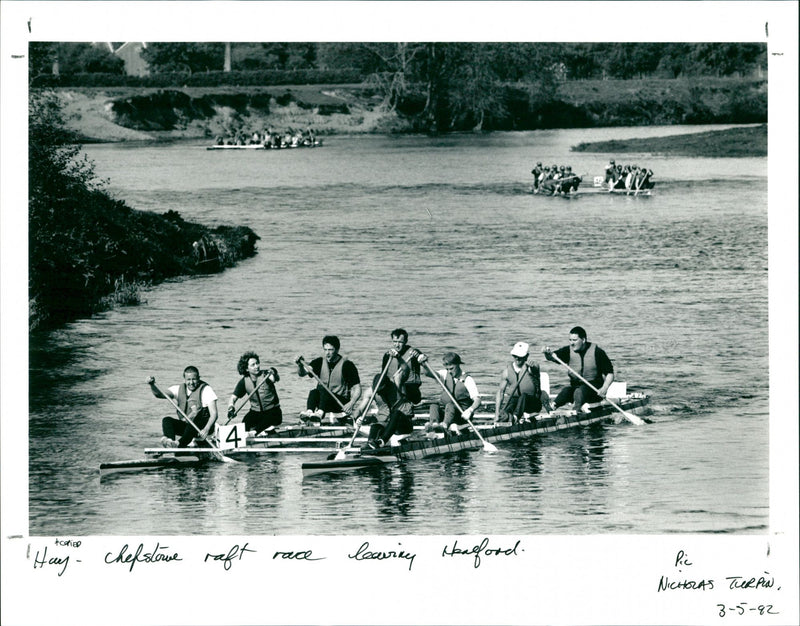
451,414
578,395
398,423
524,403
261,420
321,399
172,426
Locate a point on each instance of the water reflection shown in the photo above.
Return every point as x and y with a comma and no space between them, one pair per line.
393,491
525,456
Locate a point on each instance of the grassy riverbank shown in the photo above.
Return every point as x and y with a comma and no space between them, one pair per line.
749,141
131,113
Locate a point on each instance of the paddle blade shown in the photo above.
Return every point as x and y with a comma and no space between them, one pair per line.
340,455
488,447
633,419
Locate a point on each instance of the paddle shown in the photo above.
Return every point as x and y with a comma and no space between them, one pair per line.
217,455
524,371
488,447
633,419
639,186
308,369
247,398
342,453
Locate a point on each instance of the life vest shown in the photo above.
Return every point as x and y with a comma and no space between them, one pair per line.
334,378
585,364
410,385
412,375
529,384
265,398
190,402
458,389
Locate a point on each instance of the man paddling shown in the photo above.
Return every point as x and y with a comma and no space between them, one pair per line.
338,384
520,379
590,361
400,390
537,172
462,387
195,400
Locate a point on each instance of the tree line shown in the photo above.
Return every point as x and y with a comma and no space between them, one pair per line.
506,61
440,86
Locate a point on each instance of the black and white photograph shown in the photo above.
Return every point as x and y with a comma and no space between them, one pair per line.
399,313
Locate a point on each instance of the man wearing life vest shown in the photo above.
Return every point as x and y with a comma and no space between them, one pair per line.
339,376
523,385
259,386
197,402
461,386
537,172
400,389
644,181
590,361
610,176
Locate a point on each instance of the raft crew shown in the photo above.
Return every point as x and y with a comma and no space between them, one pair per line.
554,179
627,177
268,138
519,397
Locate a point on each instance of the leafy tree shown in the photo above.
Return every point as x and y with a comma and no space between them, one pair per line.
725,59
395,69
60,185
41,55
74,58
580,60
475,92
675,59
184,57
360,56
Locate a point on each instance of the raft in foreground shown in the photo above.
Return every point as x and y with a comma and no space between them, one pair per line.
415,448
138,465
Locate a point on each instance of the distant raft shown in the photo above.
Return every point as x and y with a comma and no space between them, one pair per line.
260,146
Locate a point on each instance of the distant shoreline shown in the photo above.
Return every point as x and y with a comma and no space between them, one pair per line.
120,114
749,141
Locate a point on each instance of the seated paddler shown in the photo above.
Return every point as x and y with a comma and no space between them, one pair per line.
338,387
519,395
259,387
444,414
195,401
588,360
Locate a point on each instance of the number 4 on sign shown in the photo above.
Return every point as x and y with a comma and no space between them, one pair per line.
230,436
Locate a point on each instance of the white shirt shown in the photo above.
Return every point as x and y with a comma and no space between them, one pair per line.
469,382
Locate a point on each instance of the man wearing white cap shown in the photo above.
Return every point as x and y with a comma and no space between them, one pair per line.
522,376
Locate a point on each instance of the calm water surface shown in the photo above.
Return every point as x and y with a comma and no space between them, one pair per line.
439,236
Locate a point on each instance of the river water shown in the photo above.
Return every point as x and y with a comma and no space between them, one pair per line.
442,237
